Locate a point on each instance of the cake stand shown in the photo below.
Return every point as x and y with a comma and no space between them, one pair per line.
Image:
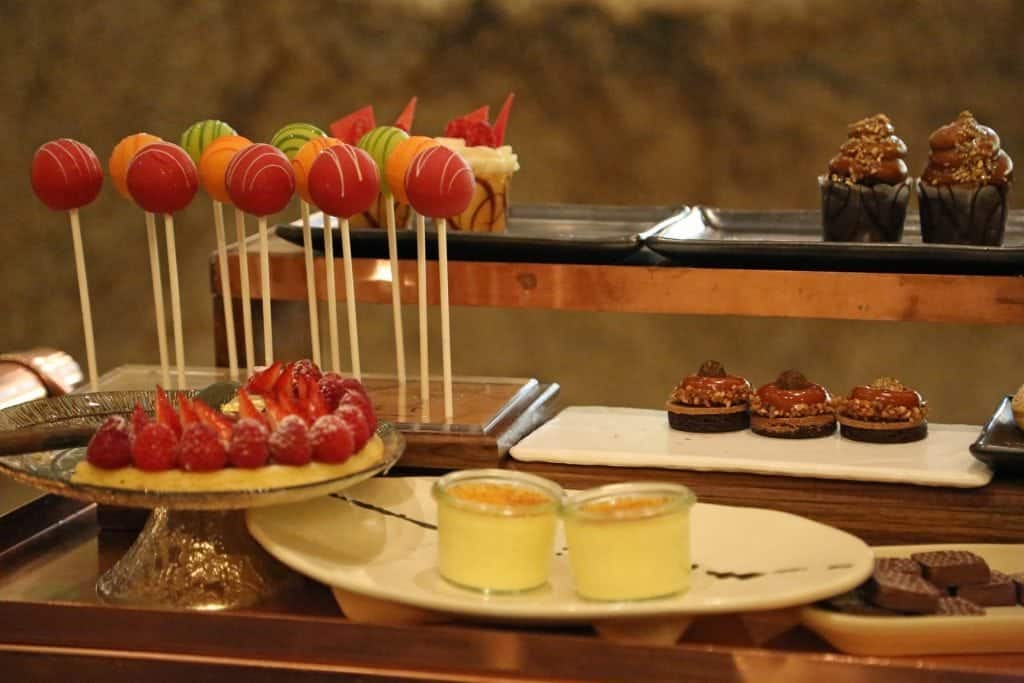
194,551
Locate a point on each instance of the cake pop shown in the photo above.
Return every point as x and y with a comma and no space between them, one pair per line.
394,170
440,183
120,157
301,163
66,175
292,137
260,181
379,143
200,134
163,179
213,162
343,182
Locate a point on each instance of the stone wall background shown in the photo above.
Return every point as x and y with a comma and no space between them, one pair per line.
722,103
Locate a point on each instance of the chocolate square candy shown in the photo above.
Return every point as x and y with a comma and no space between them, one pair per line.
902,592
852,602
1018,581
946,568
903,565
958,607
999,591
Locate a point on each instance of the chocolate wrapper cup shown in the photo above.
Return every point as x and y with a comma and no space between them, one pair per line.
863,213
962,214
488,209
376,216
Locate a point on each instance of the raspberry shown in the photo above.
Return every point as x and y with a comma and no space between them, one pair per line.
362,402
249,446
306,368
332,387
457,128
111,445
332,439
153,448
200,449
289,444
356,420
480,134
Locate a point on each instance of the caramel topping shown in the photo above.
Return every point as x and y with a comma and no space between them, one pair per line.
498,494
872,154
711,368
792,379
965,152
625,505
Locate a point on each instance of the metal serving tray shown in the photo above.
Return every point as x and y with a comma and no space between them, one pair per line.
541,233
792,240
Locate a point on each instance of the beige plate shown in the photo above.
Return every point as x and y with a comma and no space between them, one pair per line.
1000,630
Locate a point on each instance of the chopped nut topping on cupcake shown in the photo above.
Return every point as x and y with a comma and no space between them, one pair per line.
710,401
792,407
885,411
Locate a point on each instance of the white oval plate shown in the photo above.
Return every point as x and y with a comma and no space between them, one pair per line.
377,539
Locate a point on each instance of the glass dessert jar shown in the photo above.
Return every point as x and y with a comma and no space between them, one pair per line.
629,541
496,529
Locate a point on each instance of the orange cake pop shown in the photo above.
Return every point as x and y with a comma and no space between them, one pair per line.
122,155
398,163
303,161
213,164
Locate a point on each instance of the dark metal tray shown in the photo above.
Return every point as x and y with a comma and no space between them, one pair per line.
1001,444
540,233
792,240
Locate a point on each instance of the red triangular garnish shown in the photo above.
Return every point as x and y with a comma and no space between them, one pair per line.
404,120
481,114
350,128
502,122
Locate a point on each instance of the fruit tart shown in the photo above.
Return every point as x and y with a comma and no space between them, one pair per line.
710,401
884,411
792,407
311,428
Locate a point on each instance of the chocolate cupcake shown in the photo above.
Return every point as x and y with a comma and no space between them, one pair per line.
710,401
885,411
864,196
792,407
962,192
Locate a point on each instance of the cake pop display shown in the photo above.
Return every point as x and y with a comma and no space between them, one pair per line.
120,157
162,178
66,175
200,134
379,143
290,139
343,182
260,181
301,163
394,171
439,184
214,158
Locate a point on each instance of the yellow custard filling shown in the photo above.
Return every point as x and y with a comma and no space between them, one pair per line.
229,478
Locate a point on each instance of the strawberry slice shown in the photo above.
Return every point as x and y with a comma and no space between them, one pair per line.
246,409
275,413
165,414
215,419
139,420
350,128
285,383
263,381
315,403
188,413
502,121
404,120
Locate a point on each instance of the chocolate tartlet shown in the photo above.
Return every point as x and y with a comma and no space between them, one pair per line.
864,196
792,407
962,192
883,412
710,401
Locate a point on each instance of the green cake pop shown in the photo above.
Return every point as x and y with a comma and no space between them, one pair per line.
200,134
379,143
292,137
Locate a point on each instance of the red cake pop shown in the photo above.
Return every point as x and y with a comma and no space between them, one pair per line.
66,174
344,181
260,180
162,178
439,183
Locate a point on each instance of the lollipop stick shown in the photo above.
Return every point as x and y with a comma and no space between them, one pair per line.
268,333
396,291
332,294
307,245
421,290
243,276
158,298
172,272
446,329
83,295
350,298
225,288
